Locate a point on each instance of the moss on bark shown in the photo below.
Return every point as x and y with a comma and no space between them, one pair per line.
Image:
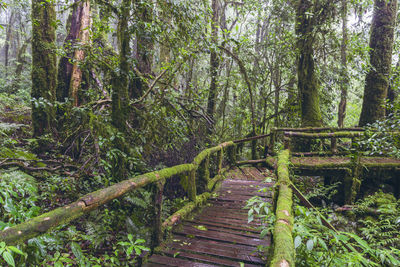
381,44
283,252
44,65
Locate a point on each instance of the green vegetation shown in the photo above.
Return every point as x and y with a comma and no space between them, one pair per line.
111,112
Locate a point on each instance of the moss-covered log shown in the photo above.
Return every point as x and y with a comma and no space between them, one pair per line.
251,138
324,135
250,162
185,211
283,252
320,129
45,222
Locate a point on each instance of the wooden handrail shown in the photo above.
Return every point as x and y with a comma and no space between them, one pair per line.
283,250
63,215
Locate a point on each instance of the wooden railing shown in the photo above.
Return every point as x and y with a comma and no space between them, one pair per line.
198,175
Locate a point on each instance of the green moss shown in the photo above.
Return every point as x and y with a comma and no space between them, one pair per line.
282,235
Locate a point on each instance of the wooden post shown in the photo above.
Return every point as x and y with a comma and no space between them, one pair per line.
192,192
157,234
220,158
334,145
286,143
272,140
231,155
203,174
254,149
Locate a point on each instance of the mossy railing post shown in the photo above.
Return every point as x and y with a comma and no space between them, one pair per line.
220,159
254,149
232,154
283,249
272,140
203,174
334,146
157,234
192,191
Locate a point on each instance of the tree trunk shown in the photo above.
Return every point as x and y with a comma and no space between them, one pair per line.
214,64
120,80
381,44
8,41
344,77
307,81
79,54
21,61
44,65
69,74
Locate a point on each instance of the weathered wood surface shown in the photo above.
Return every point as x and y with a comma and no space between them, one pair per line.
220,235
338,162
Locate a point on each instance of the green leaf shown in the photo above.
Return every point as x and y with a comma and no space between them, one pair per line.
297,241
76,249
16,250
8,258
310,244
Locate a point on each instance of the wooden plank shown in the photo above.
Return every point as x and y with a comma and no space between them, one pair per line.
240,227
223,229
219,251
229,240
159,260
216,235
205,258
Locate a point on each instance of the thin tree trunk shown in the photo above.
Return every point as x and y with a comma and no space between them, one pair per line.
79,54
9,37
344,79
69,74
214,64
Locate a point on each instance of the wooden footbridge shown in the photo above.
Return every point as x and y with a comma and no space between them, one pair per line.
212,229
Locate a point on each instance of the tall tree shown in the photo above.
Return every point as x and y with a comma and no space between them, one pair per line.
381,47
308,85
344,78
120,80
214,64
69,73
44,65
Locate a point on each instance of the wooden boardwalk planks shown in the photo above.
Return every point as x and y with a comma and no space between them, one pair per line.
219,235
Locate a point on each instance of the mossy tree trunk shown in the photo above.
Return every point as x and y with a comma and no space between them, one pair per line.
308,85
214,65
44,65
120,79
120,91
381,44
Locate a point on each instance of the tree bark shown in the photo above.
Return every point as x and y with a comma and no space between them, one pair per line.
344,76
79,54
120,80
214,64
69,74
9,35
381,44
307,81
44,65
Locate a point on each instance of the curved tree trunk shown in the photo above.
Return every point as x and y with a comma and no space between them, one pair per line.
44,65
381,44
